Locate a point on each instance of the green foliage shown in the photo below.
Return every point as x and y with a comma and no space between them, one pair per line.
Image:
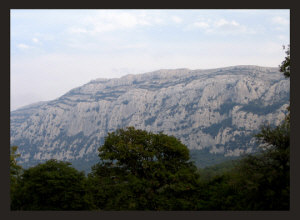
140,170
15,170
285,65
263,183
218,194
143,171
210,172
276,139
51,186
141,152
257,182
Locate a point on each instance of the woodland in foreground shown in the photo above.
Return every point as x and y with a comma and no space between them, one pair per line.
139,170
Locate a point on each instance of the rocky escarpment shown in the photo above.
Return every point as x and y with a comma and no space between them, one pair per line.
217,109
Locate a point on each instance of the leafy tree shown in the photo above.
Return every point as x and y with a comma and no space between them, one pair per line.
264,179
15,170
285,65
257,182
51,186
285,68
140,170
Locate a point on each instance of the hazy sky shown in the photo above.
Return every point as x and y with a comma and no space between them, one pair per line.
53,51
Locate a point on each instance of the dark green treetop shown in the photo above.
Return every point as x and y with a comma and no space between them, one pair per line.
51,186
144,171
285,66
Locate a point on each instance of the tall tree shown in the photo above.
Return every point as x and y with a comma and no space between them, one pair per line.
285,68
142,170
265,178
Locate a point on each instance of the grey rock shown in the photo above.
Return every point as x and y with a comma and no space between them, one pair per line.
218,109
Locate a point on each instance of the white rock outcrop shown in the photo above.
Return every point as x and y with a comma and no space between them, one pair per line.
216,109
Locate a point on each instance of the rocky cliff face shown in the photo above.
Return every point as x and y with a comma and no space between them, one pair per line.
217,109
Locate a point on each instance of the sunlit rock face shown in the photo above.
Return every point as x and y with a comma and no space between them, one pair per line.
219,109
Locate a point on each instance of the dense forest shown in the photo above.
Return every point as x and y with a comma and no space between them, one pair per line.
140,170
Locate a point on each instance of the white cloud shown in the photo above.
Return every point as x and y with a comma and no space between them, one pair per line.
229,27
224,23
282,37
220,26
105,21
77,30
35,40
124,19
23,46
201,24
135,46
280,20
45,36
176,19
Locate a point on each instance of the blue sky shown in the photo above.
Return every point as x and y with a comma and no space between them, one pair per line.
53,51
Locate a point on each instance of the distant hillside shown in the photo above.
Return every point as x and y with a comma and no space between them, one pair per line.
217,110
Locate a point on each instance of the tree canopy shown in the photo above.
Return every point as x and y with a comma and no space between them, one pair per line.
150,168
265,178
51,186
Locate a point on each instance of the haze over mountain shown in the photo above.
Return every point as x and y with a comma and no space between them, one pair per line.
216,109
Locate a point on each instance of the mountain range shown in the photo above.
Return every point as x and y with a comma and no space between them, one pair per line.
215,111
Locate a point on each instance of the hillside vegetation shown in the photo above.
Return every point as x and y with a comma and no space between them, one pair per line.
139,170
